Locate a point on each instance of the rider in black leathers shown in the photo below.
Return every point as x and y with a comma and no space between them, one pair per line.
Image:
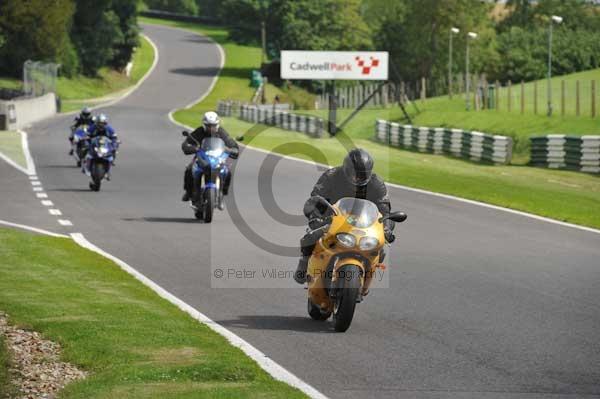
210,128
353,179
84,118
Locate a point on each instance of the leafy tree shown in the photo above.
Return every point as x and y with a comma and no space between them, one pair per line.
245,17
323,25
129,38
417,35
33,29
188,7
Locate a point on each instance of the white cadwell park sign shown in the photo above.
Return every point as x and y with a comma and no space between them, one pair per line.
334,65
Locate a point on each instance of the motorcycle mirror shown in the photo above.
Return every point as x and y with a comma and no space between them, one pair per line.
397,217
185,133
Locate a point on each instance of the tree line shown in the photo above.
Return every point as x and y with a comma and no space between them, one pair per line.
81,35
512,40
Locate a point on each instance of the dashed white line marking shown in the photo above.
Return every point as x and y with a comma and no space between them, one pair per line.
47,203
34,177
65,222
41,195
38,189
55,212
36,183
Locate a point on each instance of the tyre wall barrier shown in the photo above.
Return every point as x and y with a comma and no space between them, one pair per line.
310,125
25,111
475,146
558,151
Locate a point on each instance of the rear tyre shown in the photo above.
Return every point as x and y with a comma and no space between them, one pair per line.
315,312
347,294
210,201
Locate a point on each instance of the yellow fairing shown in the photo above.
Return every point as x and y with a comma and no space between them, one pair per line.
328,247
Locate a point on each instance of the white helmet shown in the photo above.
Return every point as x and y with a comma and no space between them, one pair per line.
101,120
211,119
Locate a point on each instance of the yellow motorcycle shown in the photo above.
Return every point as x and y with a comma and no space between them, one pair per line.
345,259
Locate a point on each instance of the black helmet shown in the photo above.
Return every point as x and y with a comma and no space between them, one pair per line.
358,167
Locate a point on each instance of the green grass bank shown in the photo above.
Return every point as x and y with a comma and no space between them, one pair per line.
133,343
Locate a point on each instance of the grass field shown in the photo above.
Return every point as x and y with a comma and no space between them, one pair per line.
82,90
442,112
133,343
10,145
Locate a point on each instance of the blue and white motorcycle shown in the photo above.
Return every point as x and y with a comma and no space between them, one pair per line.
209,171
99,160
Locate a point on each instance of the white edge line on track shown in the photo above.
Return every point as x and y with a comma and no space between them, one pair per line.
34,229
30,169
446,196
271,367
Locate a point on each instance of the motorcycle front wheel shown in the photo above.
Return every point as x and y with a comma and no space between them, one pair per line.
347,294
210,201
98,173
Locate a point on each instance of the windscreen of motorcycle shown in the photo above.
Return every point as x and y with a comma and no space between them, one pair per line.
358,212
213,146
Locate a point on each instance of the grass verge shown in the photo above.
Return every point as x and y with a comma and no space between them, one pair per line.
134,344
567,196
81,90
10,146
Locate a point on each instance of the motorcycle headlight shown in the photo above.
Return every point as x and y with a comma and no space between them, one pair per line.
347,240
368,243
214,153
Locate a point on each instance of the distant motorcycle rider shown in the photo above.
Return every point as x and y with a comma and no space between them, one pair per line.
102,128
355,178
84,118
210,128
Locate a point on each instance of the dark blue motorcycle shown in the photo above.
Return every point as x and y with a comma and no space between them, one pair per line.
209,171
99,160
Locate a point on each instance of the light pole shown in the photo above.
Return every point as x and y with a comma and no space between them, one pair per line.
558,20
470,35
453,31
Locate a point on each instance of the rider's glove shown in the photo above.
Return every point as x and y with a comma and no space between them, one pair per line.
389,236
233,153
315,223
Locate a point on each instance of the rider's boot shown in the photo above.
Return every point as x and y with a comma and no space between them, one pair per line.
300,274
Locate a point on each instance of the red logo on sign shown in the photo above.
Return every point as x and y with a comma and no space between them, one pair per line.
366,69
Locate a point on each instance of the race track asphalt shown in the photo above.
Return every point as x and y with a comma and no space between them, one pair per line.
481,303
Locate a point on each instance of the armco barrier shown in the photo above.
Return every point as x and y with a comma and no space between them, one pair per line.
22,112
557,151
475,146
311,125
